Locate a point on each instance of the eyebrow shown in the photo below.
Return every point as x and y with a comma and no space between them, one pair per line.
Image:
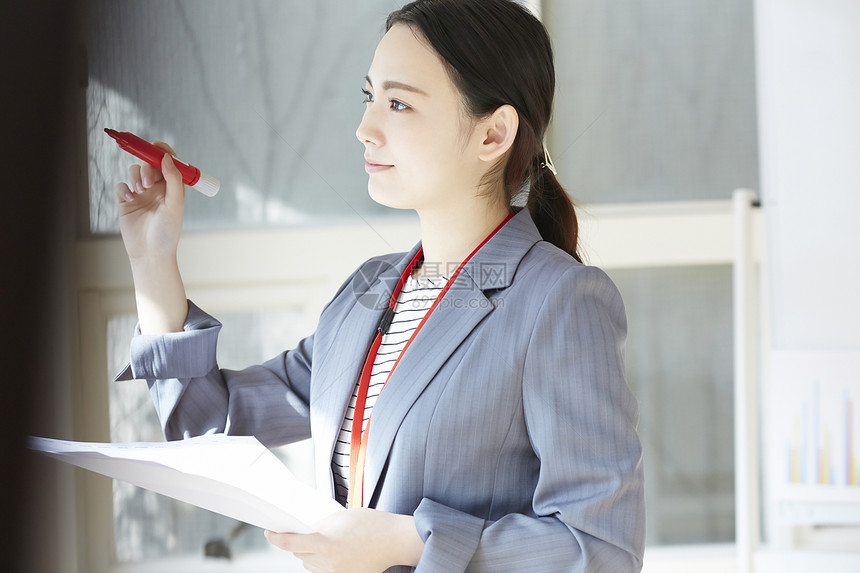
393,85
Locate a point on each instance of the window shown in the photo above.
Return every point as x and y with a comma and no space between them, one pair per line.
655,101
265,95
679,365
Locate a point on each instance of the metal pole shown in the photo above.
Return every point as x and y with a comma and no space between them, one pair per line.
745,388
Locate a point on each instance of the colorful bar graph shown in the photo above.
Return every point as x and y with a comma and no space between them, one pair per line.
821,446
812,447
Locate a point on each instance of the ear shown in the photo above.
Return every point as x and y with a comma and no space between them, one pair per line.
498,132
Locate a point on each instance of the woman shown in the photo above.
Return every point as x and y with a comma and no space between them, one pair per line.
503,432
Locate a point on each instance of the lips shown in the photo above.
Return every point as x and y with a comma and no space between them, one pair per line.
372,167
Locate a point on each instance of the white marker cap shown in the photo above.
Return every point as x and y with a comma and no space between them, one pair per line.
207,185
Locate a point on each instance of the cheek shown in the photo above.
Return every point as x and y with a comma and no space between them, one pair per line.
429,153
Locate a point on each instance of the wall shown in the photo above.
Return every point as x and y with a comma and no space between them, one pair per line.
809,132
808,83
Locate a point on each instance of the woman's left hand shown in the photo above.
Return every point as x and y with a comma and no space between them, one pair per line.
355,540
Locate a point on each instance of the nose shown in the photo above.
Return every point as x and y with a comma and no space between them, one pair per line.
368,131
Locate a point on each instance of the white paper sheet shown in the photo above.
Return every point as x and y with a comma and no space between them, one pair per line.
232,475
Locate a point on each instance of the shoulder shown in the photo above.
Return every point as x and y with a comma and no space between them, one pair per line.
576,307
566,297
553,271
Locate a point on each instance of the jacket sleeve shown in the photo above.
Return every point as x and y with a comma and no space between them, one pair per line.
193,396
581,420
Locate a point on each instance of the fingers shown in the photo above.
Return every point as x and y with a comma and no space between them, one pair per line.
304,546
296,543
145,176
175,187
134,180
150,175
138,182
123,193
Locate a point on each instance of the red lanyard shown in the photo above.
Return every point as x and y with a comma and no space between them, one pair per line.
358,445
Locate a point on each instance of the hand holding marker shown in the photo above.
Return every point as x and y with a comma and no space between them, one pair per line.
146,151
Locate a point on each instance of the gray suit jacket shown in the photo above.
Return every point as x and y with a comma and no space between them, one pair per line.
508,429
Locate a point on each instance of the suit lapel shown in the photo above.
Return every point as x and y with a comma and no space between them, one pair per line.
338,368
464,306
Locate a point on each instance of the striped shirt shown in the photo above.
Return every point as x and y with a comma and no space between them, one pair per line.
415,299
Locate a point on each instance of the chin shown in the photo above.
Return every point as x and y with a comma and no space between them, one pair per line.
387,196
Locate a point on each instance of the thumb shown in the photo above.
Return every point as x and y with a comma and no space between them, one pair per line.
175,195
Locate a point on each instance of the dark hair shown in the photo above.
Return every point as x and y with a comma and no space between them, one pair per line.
498,53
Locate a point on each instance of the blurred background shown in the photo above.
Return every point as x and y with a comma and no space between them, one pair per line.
741,306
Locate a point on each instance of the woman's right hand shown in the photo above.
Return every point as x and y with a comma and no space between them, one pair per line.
151,208
150,220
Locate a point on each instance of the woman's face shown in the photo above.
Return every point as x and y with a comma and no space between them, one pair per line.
418,141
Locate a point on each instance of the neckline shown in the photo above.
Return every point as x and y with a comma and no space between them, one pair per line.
428,280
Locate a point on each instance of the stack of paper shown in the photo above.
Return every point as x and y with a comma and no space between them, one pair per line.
232,475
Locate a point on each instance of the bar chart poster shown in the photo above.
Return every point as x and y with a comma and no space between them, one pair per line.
814,413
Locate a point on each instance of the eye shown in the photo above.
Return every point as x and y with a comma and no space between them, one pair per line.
368,97
398,106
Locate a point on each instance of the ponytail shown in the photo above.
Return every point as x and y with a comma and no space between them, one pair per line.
549,205
552,210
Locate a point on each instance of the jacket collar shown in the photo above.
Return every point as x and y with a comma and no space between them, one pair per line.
492,267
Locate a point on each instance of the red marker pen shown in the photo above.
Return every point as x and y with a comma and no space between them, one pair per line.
146,151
